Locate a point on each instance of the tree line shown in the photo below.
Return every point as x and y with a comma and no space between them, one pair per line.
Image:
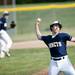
32,1
39,1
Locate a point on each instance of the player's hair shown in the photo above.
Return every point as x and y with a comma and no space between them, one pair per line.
55,24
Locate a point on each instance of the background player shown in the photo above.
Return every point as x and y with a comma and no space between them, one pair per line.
57,46
5,40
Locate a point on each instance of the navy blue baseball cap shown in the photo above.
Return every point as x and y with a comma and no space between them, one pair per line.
55,23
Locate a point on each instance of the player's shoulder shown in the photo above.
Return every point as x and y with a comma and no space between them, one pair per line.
63,33
2,19
47,36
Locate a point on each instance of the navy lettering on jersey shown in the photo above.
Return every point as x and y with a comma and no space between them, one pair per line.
2,22
57,45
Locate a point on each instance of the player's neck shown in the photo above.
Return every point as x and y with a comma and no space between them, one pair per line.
53,33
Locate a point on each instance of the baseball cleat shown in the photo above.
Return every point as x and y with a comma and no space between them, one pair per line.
8,54
2,55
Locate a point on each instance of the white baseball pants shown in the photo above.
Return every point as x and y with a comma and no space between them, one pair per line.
5,41
63,65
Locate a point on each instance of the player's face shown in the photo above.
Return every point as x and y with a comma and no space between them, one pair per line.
55,29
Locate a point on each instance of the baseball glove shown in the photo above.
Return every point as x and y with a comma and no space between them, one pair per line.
12,24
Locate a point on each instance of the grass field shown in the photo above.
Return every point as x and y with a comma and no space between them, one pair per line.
28,61
26,20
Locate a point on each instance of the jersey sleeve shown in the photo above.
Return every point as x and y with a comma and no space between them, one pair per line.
43,38
46,38
67,37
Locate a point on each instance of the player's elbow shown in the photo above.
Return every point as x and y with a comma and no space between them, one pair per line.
39,37
73,39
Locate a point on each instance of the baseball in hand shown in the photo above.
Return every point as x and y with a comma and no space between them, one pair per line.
39,19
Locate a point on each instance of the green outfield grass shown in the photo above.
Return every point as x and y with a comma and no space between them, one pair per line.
26,21
25,29
28,61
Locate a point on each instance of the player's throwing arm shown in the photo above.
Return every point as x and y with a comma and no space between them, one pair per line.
38,33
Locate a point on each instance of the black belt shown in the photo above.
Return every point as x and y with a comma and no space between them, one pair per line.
56,59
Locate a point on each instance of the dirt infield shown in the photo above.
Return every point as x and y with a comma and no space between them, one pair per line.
33,44
28,44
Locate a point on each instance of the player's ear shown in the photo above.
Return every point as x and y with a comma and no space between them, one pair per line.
60,26
51,26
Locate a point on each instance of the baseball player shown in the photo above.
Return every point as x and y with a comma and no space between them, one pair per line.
58,50
5,40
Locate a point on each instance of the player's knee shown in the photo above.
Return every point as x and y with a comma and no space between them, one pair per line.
2,44
9,44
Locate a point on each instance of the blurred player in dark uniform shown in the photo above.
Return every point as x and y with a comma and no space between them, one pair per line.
5,40
58,50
